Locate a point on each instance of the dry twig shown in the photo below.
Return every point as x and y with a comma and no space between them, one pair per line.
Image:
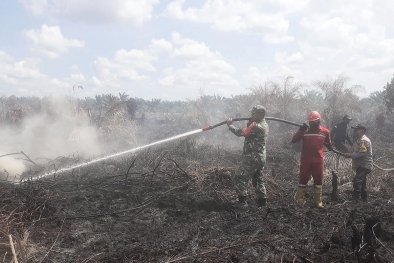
54,242
391,252
219,250
13,249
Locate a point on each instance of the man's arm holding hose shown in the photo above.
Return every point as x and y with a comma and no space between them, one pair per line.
245,132
237,131
327,141
363,149
299,135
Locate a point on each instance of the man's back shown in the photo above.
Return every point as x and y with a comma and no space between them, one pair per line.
339,132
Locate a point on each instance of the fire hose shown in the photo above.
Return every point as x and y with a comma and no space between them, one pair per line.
374,164
247,119
207,128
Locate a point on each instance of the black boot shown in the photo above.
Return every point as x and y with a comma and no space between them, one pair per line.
356,196
261,202
364,196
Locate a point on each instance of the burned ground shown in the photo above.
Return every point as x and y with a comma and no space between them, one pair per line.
177,205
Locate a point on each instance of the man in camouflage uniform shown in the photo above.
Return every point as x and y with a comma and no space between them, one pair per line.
253,156
362,162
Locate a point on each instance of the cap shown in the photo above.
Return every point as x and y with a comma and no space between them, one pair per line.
359,127
347,117
258,109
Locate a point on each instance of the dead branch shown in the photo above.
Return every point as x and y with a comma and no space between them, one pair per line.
177,165
9,154
29,158
157,165
128,171
54,242
380,242
263,241
334,193
92,257
13,249
21,251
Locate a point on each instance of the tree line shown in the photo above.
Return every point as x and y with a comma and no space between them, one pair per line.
288,99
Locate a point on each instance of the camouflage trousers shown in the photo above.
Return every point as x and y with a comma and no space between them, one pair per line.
251,169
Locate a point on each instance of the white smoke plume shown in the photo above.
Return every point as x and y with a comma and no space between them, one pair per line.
61,129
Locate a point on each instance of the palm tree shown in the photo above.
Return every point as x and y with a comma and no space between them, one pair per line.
279,98
388,96
311,100
339,99
377,97
123,96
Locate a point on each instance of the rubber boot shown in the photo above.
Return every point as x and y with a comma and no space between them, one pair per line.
364,196
261,202
356,196
300,196
318,192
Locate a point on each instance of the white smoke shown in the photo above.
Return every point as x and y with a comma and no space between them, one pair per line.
61,129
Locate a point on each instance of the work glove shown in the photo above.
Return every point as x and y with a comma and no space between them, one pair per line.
246,131
304,127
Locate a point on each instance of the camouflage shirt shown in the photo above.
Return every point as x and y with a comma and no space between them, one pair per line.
255,140
362,153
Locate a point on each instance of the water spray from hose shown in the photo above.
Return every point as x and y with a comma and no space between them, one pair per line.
163,141
143,147
110,156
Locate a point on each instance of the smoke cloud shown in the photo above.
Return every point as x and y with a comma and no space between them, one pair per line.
60,129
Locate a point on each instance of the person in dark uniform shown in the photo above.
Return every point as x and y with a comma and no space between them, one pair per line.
339,135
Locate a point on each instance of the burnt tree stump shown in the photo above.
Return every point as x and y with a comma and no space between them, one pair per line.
334,193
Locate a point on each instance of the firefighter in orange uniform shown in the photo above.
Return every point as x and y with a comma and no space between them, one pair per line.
314,138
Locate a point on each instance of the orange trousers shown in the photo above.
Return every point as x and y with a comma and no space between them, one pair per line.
315,169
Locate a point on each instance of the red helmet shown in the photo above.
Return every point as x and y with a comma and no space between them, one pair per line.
313,116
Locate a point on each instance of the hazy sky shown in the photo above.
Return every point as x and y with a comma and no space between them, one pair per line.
173,49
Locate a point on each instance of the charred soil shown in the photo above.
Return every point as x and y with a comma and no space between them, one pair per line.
179,206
